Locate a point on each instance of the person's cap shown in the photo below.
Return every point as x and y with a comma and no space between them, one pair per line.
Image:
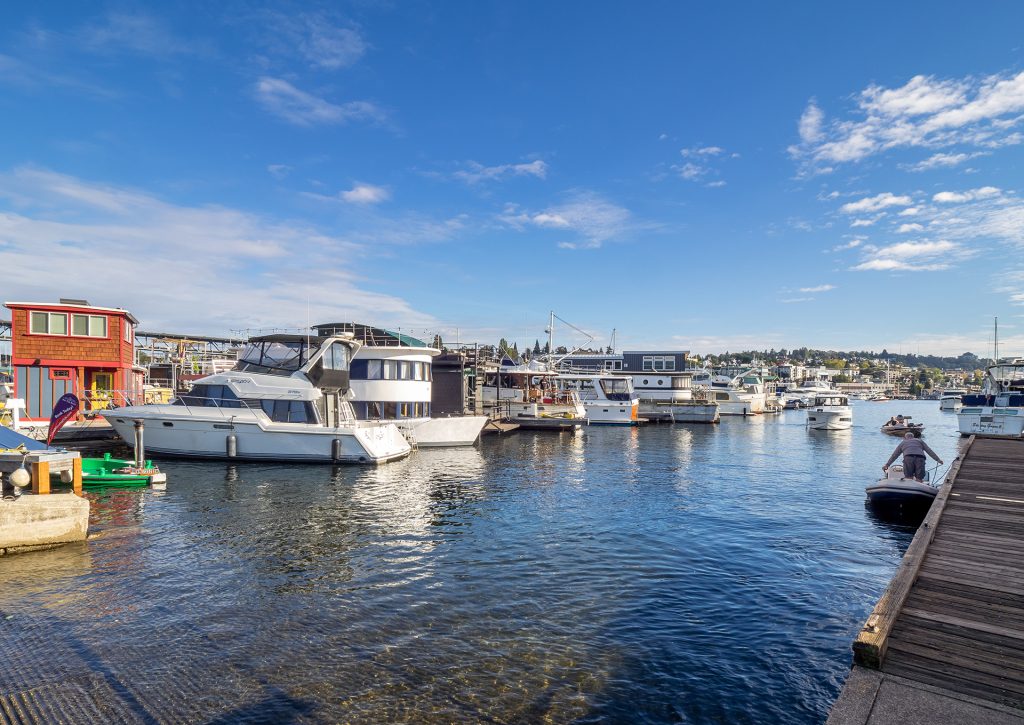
908,435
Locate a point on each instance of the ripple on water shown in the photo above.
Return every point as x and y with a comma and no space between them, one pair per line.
660,575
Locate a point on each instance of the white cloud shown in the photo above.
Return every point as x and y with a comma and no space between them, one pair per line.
592,218
907,228
875,203
912,211
810,127
220,268
955,197
304,109
476,172
365,194
701,151
793,300
941,160
701,163
926,256
279,171
819,288
865,222
136,33
924,112
852,244
691,171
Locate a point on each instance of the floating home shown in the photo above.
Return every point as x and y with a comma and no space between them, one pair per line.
72,347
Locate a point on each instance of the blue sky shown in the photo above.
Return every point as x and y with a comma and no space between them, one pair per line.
692,176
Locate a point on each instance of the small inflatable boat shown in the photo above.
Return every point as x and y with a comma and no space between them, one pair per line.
898,429
895,492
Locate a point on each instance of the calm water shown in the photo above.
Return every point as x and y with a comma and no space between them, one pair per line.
667,574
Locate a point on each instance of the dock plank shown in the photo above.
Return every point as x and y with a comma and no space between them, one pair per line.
953,616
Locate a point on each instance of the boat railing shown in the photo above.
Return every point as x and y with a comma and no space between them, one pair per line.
105,399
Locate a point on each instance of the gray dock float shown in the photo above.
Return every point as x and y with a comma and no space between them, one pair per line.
945,642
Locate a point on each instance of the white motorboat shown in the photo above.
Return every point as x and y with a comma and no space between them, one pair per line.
951,400
392,380
896,492
999,409
607,399
830,412
900,425
743,394
285,400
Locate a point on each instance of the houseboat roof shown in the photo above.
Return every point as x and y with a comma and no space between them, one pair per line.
66,304
370,336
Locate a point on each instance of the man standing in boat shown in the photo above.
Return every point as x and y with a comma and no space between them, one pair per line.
913,450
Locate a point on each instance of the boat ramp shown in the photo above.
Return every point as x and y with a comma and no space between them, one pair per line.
945,643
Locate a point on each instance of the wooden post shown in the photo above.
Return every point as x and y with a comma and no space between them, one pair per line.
76,476
40,477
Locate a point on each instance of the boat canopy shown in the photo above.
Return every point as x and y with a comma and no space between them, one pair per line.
831,400
278,354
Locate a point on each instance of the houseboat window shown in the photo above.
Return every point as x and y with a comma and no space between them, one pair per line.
89,325
276,358
659,362
48,323
126,326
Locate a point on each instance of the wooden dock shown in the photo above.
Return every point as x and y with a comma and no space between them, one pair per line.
948,633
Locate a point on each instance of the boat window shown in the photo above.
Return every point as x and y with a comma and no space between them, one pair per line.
374,369
390,370
358,371
616,385
336,357
390,411
373,410
721,396
275,358
289,411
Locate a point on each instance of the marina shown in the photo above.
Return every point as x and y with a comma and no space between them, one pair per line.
535,576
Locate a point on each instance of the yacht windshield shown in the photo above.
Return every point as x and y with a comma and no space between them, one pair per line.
617,388
276,358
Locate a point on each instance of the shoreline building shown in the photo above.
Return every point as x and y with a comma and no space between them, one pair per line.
72,347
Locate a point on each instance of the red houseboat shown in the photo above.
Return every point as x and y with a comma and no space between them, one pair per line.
72,347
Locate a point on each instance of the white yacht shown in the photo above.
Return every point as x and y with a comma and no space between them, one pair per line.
607,399
285,400
999,409
391,380
743,394
951,400
830,411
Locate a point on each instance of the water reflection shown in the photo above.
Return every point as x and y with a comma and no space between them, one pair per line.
667,573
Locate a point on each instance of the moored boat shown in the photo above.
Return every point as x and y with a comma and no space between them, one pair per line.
893,491
999,409
830,412
285,400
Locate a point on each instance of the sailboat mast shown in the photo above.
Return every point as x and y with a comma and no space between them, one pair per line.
995,343
551,333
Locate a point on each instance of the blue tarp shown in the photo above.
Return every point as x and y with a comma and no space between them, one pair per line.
12,439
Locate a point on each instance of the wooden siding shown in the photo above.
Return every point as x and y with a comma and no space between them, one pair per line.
26,347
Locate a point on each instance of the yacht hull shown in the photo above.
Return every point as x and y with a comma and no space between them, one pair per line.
463,430
680,412
167,432
605,412
818,419
992,421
